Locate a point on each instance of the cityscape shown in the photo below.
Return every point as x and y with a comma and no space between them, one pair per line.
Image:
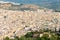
29,21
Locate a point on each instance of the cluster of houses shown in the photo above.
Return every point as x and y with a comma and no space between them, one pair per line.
18,23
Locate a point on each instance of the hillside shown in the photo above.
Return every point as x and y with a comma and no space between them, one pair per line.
20,7
20,22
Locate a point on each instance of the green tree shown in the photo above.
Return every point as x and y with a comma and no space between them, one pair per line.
58,38
7,38
29,34
30,39
45,37
16,38
23,38
53,37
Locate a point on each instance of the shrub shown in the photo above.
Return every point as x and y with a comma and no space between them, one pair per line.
7,38
45,37
29,34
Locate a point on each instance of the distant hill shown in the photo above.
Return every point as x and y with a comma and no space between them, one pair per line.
51,4
21,7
